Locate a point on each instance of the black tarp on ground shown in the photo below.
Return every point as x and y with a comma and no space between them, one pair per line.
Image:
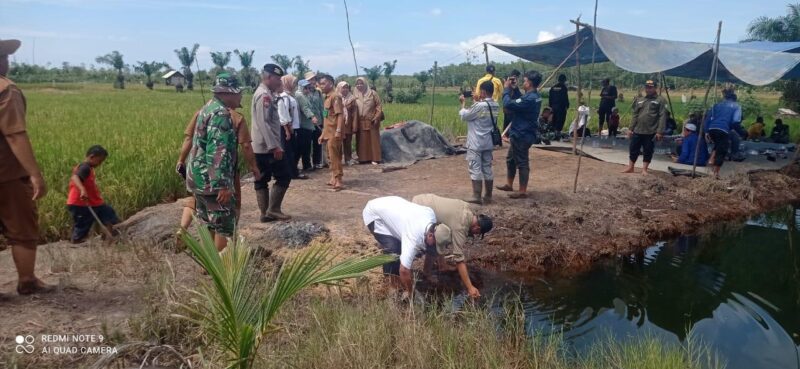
412,142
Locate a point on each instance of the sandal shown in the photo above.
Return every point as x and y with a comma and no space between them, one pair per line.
518,195
505,187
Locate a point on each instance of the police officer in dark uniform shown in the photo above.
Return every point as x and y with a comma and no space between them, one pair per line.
559,103
516,93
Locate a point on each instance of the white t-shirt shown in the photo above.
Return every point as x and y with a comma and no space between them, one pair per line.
287,111
401,219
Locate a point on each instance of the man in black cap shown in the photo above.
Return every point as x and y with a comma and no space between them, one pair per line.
266,134
649,116
498,84
559,103
516,93
463,223
21,181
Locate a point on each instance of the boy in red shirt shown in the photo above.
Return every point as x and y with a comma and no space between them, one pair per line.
83,192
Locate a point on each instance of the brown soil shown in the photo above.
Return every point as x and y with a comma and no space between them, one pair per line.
555,229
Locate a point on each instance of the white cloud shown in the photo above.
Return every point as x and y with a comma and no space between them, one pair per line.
436,12
545,36
492,38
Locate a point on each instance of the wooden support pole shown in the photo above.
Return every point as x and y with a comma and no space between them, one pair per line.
666,89
486,54
433,91
700,135
578,70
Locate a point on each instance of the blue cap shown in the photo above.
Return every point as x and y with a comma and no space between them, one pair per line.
303,83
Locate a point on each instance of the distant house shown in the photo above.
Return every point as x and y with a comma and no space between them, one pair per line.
174,78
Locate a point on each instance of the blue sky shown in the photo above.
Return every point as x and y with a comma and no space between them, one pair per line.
414,32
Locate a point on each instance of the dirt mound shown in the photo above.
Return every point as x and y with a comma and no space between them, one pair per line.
414,141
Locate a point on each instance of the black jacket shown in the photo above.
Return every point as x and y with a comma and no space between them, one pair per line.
559,100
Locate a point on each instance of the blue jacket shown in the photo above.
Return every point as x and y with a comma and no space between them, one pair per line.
724,115
526,114
687,151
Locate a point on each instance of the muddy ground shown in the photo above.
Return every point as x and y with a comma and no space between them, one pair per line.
110,290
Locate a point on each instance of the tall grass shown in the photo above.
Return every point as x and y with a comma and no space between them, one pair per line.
143,130
372,333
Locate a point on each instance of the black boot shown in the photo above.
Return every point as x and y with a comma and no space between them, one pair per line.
476,193
488,185
262,197
275,201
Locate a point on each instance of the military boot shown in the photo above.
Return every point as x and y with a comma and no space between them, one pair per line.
262,197
488,185
275,201
476,193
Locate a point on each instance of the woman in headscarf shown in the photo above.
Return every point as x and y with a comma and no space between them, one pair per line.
350,119
370,115
289,115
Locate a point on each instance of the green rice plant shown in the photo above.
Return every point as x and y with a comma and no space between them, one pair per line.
237,306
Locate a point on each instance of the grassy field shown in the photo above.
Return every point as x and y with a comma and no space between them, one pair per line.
143,130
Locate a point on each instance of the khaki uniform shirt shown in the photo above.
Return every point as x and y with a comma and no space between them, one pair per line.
266,129
333,109
649,115
12,121
456,215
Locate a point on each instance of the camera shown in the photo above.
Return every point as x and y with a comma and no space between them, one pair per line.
467,94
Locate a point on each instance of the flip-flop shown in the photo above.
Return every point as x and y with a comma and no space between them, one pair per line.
338,188
35,287
518,195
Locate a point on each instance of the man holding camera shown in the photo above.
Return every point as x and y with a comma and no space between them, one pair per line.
522,131
480,118
508,115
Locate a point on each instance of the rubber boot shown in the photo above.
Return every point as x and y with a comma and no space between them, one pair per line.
488,185
262,197
275,201
476,193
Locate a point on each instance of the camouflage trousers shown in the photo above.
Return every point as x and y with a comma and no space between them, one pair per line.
219,218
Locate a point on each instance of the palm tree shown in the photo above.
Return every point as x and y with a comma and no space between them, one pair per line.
780,29
388,69
186,58
148,69
248,73
237,305
220,60
301,67
373,74
284,61
114,59
422,77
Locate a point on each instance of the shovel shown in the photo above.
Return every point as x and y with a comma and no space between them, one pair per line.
105,230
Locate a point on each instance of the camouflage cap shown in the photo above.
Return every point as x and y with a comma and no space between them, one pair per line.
226,84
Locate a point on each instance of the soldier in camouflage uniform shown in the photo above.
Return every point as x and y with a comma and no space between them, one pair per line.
211,165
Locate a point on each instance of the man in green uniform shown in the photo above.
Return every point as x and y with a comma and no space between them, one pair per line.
211,165
463,223
647,124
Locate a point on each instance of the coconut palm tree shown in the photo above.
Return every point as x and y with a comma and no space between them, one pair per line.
114,59
248,73
220,60
300,66
237,304
388,69
186,58
373,73
148,69
782,28
284,61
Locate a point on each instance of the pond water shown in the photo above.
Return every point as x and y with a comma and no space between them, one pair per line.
737,290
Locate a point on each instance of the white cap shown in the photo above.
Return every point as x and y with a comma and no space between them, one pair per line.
690,127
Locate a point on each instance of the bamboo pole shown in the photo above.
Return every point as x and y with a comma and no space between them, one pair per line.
700,135
666,89
433,92
486,54
347,15
578,69
589,102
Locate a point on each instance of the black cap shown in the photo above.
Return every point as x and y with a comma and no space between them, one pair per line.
274,69
485,223
490,68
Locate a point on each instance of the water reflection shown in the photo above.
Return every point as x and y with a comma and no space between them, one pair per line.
737,290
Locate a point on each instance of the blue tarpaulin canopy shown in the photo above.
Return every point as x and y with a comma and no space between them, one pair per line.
756,63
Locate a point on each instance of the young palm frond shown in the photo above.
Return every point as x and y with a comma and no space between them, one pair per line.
238,304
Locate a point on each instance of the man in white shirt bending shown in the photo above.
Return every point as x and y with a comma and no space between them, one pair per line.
407,229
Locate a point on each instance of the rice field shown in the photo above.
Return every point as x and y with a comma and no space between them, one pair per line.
143,130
